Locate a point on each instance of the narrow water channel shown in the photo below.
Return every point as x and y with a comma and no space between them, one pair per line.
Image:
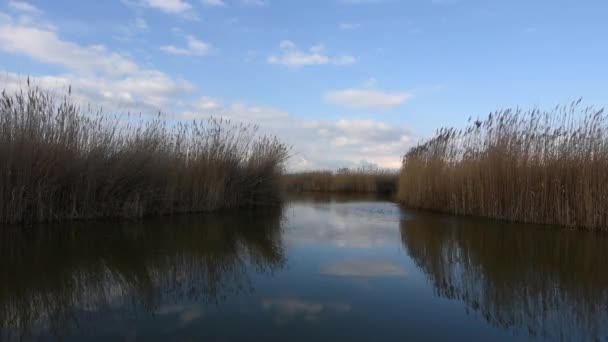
320,268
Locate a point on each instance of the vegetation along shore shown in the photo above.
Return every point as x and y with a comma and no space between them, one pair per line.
59,162
535,166
360,180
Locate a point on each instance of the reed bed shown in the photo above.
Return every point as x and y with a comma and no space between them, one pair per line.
364,180
58,162
535,166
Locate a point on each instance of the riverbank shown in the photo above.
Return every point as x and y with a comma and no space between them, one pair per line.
545,167
59,162
344,180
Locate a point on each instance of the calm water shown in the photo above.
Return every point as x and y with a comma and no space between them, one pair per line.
319,269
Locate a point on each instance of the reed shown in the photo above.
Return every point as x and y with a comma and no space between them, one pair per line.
364,180
533,166
58,162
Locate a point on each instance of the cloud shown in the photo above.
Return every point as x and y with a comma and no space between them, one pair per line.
363,268
106,78
214,3
349,26
206,107
23,6
148,91
352,142
45,46
169,6
180,8
366,98
289,308
185,314
127,33
290,55
206,103
194,47
98,76
26,15
347,226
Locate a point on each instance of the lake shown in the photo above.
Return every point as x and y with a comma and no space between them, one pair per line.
321,267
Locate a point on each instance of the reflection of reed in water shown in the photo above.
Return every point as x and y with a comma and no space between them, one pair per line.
528,280
52,279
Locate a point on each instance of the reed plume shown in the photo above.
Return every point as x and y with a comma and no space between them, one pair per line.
58,162
530,166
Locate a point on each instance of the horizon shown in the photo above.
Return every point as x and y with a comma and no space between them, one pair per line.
347,83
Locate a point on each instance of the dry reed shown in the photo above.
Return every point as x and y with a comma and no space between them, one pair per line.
535,166
372,180
58,163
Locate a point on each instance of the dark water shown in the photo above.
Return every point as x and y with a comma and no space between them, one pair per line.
319,269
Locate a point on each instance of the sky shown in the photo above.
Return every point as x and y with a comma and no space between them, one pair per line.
344,82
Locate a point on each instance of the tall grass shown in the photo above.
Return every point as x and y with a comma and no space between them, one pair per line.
531,166
366,180
58,162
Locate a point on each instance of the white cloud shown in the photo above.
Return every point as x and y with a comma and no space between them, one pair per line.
98,76
349,26
366,98
214,3
287,44
194,47
5,18
23,6
146,92
103,77
206,103
180,8
290,55
169,6
348,227
242,112
352,142
45,46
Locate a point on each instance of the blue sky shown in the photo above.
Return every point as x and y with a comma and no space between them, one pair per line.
345,82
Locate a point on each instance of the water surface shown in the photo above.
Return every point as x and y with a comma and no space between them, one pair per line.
320,268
